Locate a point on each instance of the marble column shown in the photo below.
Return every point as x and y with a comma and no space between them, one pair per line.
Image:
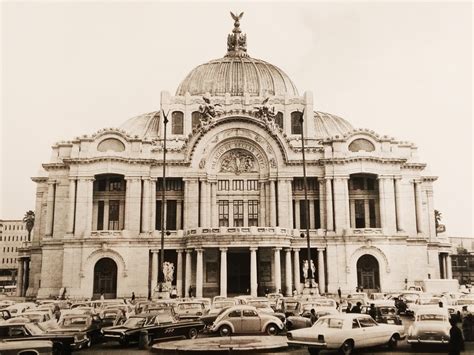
204,204
283,201
71,205
398,204
288,273
50,208
277,269
154,270
223,283
188,272
152,226
382,213
214,207
390,213
419,208
296,269
297,222
199,272
341,203
179,273
329,205
272,204
253,272
290,203
191,203
322,203
19,278
89,204
430,214
132,204
146,206
82,205
449,268
321,274
262,220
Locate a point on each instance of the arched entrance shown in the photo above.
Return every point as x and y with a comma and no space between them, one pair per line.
368,274
105,279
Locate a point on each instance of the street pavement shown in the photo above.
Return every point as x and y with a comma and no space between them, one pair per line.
403,348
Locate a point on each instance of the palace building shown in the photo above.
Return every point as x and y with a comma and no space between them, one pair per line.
235,206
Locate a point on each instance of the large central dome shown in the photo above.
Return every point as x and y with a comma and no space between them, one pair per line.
237,73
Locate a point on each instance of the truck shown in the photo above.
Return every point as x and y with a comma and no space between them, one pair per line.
440,285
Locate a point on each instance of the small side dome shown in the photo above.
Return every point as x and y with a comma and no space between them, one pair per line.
143,126
328,125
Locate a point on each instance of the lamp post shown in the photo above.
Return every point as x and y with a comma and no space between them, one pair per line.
161,255
305,183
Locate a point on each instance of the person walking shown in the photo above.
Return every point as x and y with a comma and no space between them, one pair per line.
373,312
312,316
349,307
356,308
456,341
133,297
339,293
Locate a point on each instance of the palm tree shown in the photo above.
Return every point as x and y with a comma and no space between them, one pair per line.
29,220
438,217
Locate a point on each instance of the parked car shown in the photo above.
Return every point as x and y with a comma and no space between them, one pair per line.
20,347
245,319
384,314
304,321
158,325
423,302
431,326
79,324
345,332
190,310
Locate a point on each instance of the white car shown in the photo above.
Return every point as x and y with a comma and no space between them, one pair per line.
431,326
345,332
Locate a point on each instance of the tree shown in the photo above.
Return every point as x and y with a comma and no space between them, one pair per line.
29,220
440,228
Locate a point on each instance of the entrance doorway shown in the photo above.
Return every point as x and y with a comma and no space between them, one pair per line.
368,275
238,272
105,279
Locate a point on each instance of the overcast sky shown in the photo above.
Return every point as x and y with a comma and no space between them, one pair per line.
402,69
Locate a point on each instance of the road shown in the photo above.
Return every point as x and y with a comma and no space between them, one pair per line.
403,348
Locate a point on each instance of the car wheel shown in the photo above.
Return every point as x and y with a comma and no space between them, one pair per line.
272,329
313,351
89,342
393,342
192,333
347,347
225,331
123,341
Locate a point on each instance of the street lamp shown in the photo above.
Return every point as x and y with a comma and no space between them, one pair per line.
161,255
305,183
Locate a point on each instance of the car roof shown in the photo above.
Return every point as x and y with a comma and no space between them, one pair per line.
432,310
347,316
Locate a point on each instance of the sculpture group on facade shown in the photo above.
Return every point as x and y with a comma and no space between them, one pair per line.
208,112
267,114
306,267
237,162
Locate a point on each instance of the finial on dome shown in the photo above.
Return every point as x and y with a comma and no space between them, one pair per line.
236,41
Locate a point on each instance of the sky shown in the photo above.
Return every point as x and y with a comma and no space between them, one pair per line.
399,68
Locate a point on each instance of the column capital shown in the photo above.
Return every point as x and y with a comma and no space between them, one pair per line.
397,177
296,250
155,251
416,181
199,250
253,248
341,177
223,249
288,250
52,182
146,178
189,251
321,249
72,178
179,250
132,178
191,179
277,249
327,178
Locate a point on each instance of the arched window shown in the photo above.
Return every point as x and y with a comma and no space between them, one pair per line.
111,144
279,119
296,123
195,119
361,144
177,122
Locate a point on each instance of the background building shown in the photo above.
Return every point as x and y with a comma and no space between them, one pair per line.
13,236
462,259
235,206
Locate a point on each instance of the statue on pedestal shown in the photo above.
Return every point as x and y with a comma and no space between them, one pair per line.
305,274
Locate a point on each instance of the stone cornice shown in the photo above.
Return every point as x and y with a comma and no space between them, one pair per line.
39,179
336,161
415,166
141,161
429,178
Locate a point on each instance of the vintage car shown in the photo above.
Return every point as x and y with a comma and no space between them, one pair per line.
45,319
245,319
423,302
345,332
79,324
161,324
287,306
62,343
109,316
26,347
384,314
304,321
431,326
190,310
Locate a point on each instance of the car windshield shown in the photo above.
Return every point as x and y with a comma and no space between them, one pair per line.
291,306
309,306
259,304
33,317
432,317
388,311
134,322
185,306
429,301
74,322
329,323
219,305
326,303
34,329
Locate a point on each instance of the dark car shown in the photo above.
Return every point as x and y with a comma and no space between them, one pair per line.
62,343
79,324
384,314
161,324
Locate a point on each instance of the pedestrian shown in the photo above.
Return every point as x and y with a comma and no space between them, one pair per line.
456,341
63,295
133,297
349,307
440,304
356,308
339,292
464,312
102,297
312,316
373,311
190,291
295,293
57,313
173,293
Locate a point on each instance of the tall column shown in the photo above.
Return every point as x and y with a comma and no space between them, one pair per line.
283,201
146,206
445,266
341,203
321,275
277,269
430,213
262,222
419,207
290,203
449,269
19,279
179,273
253,272
204,208
322,203
272,204
387,196
154,270
71,205
398,204
152,226
132,204
50,208
297,223
214,207
288,273
312,221
188,272
199,273
179,209
90,197
296,269
191,203
83,206
383,223
223,272
329,206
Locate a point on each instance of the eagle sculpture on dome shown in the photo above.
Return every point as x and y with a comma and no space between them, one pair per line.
235,17
237,42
